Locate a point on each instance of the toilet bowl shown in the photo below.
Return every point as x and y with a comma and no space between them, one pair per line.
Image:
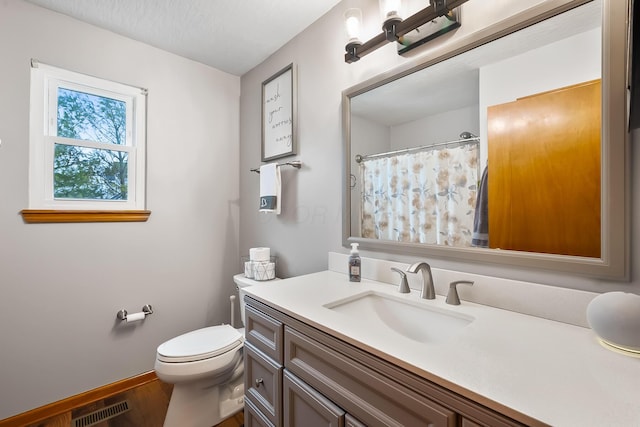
205,367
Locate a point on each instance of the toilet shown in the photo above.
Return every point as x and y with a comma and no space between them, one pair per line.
205,367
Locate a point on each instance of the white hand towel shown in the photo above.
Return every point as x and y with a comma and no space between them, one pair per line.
270,200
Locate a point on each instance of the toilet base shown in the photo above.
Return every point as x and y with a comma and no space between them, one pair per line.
196,405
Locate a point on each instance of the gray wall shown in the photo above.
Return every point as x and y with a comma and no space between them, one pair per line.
62,284
310,224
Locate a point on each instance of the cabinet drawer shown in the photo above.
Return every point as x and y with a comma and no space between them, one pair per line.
264,332
361,391
263,383
253,417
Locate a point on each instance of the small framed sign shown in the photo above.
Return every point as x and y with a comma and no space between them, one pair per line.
279,114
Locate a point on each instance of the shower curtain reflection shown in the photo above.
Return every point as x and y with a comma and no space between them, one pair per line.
421,197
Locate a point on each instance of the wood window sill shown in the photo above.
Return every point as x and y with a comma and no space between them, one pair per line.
38,216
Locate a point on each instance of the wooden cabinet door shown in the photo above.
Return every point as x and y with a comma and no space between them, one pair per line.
305,407
349,421
263,383
253,417
544,172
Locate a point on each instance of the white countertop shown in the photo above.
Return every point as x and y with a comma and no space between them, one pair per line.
553,372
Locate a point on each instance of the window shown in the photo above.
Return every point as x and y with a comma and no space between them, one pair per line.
87,143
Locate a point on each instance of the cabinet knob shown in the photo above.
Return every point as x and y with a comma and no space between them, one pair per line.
258,382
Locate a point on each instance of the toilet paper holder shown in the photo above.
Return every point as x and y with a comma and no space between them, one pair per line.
146,310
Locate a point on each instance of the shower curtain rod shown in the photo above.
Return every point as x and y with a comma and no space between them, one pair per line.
462,141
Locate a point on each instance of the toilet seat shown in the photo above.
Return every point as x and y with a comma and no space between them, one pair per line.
200,344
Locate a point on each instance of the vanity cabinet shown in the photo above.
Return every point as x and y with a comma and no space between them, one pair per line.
370,397
319,380
305,406
263,383
253,417
262,369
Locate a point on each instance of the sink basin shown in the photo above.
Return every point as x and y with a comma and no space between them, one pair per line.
415,320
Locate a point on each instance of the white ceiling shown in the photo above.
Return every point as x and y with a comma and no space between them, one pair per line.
230,35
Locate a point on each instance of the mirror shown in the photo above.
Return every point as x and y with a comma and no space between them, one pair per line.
418,141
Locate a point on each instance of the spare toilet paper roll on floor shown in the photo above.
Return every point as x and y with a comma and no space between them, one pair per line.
259,254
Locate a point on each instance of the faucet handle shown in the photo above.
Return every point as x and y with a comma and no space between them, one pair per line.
452,295
404,285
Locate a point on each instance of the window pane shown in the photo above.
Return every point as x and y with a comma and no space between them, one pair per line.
89,173
91,117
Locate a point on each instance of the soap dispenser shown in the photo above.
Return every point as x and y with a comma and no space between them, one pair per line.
354,264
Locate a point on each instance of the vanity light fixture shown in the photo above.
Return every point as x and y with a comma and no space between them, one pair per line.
391,17
394,27
353,22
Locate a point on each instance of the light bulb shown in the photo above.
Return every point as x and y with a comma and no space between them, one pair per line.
352,20
390,9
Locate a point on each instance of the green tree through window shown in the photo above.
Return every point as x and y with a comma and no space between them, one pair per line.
84,172
87,143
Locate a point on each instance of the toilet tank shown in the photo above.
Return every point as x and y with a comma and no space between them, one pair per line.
242,283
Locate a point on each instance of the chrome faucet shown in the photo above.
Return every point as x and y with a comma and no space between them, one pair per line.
428,291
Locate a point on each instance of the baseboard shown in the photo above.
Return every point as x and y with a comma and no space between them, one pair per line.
77,401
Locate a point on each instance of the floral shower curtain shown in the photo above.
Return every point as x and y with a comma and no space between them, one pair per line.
422,197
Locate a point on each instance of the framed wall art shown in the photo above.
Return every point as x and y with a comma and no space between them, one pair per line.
279,114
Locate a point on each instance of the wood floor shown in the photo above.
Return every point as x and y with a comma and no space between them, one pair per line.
147,408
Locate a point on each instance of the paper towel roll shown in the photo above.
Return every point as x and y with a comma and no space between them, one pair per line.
134,317
259,254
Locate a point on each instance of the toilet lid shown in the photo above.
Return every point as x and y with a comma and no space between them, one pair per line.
200,344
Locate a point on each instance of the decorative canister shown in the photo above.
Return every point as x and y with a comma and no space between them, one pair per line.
615,318
259,270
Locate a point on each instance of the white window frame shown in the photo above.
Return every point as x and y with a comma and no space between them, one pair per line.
45,81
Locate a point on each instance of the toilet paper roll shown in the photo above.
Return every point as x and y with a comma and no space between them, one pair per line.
260,270
259,254
271,271
248,269
134,317
264,270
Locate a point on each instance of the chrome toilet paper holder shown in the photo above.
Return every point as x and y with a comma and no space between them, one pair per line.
146,310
